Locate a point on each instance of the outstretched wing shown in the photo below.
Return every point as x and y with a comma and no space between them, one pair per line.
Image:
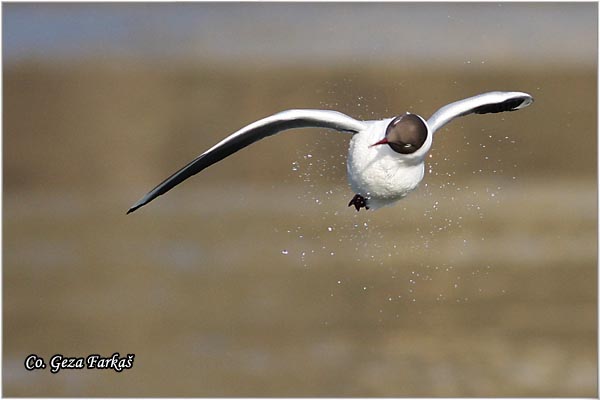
246,136
492,102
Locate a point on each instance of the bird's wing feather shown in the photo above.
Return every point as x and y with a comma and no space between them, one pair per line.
246,136
492,102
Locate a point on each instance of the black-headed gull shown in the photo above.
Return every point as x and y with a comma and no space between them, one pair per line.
379,175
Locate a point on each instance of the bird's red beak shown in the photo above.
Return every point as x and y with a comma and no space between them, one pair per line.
382,141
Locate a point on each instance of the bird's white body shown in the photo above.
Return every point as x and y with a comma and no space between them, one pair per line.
377,173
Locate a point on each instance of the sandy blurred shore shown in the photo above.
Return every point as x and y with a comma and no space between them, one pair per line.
113,123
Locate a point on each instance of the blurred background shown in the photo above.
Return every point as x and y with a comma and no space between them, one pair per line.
254,278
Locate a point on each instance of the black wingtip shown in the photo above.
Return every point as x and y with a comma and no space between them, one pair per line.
136,206
507,105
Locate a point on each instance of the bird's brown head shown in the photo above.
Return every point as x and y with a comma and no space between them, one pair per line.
405,134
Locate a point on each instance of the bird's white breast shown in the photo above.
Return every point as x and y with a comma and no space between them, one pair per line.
378,173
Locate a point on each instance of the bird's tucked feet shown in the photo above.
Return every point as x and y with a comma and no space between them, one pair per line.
358,202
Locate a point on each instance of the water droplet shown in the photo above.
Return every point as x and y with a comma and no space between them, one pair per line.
284,252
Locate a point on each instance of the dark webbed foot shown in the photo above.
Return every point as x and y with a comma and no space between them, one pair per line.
358,202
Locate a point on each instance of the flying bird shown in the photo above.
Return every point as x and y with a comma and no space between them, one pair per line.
386,158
